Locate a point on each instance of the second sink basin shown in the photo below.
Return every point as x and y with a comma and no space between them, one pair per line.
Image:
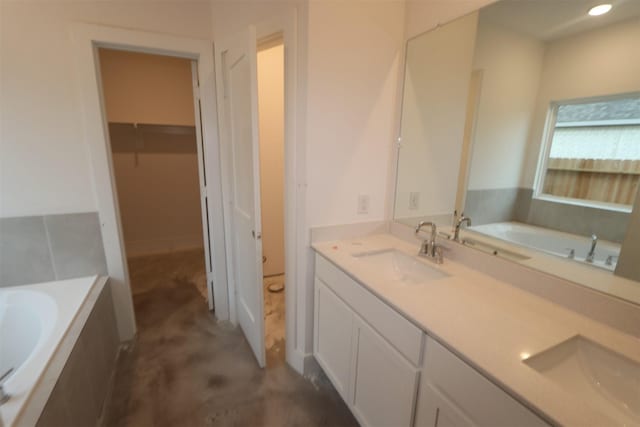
397,266
601,377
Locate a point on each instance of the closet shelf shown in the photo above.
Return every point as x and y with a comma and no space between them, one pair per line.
141,138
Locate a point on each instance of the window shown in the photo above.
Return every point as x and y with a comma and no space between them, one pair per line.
593,152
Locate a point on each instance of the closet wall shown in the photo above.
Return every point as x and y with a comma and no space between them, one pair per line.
149,106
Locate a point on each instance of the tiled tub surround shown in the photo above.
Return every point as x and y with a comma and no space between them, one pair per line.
83,386
550,241
517,204
498,205
38,249
581,220
64,379
489,323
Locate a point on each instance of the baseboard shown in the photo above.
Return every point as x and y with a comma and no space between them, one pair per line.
311,367
296,360
137,248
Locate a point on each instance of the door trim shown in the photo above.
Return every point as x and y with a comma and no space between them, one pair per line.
298,297
87,39
202,176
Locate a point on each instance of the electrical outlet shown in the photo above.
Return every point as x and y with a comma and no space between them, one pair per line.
363,204
414,200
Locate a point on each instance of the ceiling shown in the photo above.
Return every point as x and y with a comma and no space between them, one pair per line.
554,19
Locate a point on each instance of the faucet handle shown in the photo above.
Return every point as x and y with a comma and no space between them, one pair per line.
4,396
5,375
437,254
571,254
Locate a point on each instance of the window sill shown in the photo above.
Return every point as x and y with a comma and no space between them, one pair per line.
584,203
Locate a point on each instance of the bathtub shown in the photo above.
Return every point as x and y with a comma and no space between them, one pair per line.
552,242
34,322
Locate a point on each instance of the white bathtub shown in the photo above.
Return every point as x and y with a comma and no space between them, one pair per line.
34,320
552,242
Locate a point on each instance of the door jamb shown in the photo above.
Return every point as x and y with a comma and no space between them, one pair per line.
87,39
295,253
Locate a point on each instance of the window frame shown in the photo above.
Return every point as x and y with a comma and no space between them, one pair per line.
545,150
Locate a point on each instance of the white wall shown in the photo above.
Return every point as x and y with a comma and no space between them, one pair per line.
433,112
424,15
271,121
159,198
354,64
158,190
44,161
143,88
511,66
595,63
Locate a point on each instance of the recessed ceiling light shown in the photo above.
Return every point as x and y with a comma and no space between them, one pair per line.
600,9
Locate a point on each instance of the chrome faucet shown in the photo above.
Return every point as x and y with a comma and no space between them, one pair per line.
4,396
592,251
456,234
429,249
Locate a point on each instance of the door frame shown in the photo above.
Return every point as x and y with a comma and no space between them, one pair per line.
295,242
87,39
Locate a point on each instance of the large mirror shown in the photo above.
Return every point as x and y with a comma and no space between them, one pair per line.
525,116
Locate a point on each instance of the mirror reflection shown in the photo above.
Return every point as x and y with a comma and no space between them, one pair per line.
543,117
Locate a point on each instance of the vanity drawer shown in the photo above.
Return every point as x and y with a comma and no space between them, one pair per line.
474,397
402,334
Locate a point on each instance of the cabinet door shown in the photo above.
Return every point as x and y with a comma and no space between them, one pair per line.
385,383
467,393
332,337
434,410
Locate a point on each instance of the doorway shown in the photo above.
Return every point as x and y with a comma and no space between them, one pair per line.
270,79
154,136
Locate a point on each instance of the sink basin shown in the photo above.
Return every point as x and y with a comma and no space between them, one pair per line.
397,266
602,378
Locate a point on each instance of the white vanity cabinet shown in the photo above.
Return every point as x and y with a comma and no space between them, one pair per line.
384,382
333,330
374,364
453,394
390,373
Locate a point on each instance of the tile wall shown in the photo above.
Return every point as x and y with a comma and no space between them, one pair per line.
51,247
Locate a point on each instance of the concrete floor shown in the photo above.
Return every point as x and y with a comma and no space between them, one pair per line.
274,325
186,369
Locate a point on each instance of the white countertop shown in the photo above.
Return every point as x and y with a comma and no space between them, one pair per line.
489,323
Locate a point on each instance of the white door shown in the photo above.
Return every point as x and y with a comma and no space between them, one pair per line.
239,123
202,172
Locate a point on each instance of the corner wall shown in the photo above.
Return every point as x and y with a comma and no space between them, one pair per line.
355,57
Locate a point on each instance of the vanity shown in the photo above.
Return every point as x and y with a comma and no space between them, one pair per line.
407,342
